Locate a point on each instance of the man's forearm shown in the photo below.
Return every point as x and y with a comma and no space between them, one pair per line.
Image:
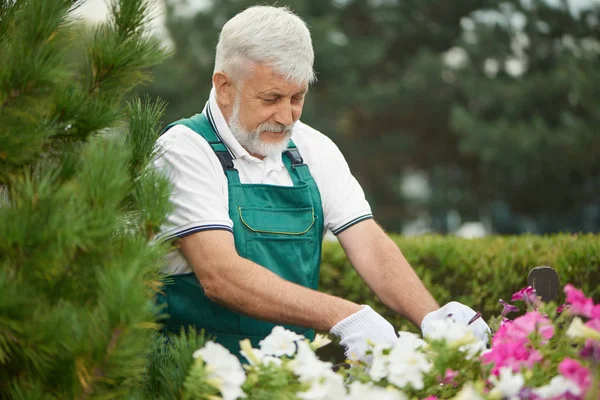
253,290
381,264
398,286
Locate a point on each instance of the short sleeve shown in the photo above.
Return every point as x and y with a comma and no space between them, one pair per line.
344,202
199,186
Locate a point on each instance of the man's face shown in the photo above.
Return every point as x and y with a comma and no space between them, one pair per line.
265,109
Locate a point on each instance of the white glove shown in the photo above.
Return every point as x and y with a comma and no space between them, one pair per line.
361,326
461,314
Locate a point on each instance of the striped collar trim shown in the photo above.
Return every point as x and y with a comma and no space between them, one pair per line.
209,116
217,120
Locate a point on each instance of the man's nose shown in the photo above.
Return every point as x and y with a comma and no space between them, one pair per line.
285,114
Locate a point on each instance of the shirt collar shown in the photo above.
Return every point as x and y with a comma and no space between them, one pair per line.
217,120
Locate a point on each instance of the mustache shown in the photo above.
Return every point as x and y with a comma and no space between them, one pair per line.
274,127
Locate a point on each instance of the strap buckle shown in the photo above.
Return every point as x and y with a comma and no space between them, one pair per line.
294,155
225,159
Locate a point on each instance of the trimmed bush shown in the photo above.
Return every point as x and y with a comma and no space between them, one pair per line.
475,272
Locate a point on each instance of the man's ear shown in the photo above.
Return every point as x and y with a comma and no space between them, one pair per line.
224,88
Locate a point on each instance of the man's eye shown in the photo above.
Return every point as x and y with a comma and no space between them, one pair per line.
269,100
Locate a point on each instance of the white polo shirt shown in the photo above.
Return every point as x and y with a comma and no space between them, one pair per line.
200,195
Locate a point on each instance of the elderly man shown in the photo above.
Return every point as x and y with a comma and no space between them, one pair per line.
254,190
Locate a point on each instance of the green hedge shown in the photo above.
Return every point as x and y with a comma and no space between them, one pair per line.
476,272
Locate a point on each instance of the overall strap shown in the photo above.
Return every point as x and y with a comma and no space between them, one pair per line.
200,124
295,164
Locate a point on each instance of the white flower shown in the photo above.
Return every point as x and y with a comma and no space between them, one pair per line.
410,340
281,342
473,350
508,385
379,366
329,386
224,368
558,386
320,341
231,391
407,365
307,365
454,333
324,383
361,391
468,392
577,329
407,343
255,357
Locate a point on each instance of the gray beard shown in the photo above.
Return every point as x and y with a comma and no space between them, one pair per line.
252,141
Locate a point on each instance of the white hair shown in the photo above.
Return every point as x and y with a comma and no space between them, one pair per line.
265,35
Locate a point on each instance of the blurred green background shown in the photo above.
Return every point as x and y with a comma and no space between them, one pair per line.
456,116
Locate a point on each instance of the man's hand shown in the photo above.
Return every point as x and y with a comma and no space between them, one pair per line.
461,314
361,326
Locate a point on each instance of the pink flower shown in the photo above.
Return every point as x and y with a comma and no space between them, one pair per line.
594,324
531,322
431,398
592,347
502,333
596,312
507,308
576,372
527,295
511,346
580,305
591,350
515,355
449,377
520,329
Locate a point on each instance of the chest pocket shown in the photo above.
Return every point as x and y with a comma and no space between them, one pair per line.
281,221
273,237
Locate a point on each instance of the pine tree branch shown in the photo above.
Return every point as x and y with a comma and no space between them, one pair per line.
65,274
99,78
98,371
7,337
13,94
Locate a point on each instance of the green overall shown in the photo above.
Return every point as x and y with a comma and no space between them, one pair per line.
277,227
